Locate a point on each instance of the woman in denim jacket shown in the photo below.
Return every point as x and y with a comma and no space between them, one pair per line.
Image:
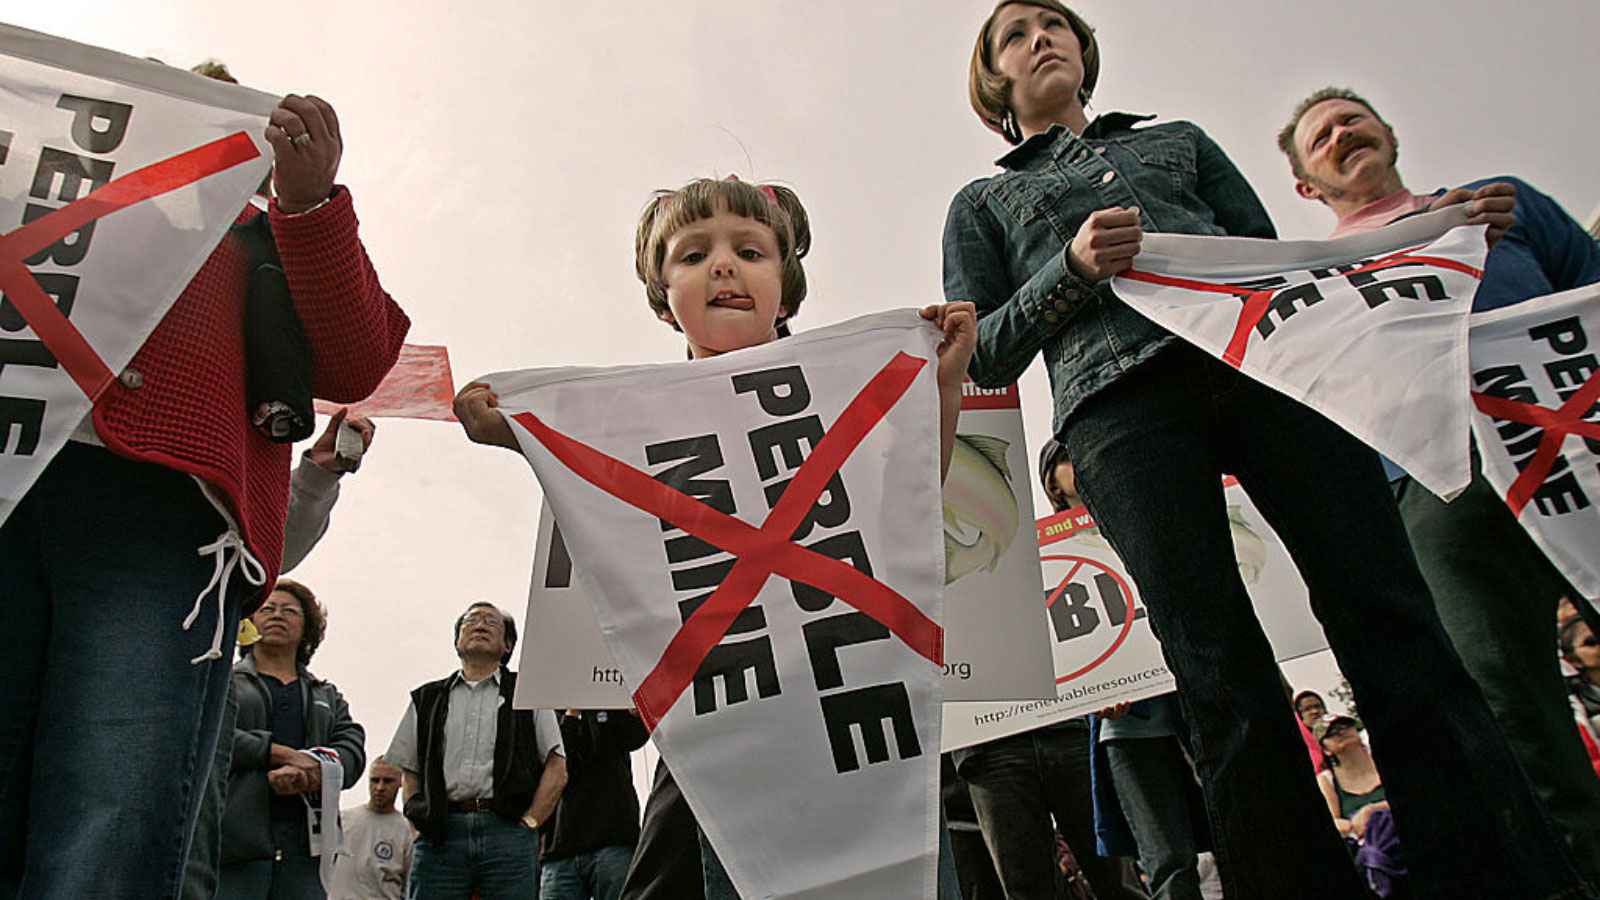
1153,423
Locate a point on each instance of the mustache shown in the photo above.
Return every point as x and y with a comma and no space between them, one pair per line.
1349,143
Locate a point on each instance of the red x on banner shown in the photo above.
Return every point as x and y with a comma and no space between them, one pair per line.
761,552
1557,424
16,279
1256,303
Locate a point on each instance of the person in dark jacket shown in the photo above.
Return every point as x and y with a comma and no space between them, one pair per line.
589,843
284,711
480,776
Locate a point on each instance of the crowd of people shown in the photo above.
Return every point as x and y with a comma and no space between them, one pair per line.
1445,633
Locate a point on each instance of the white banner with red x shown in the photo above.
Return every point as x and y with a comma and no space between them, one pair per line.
1369,329
1536,389
761,535
117,178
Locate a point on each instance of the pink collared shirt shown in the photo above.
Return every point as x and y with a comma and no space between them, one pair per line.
1381,212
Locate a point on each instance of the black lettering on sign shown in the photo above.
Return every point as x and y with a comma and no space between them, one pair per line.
558,573
868,709
1565,336
824,637
730,662
1411,287
781,391
1510,382
1072,614
26,415
751,618
700,455
1506,382
70,250
783,440
98,126
23,352
1283,304
60,285
1560,492
847,547
73,170
831,510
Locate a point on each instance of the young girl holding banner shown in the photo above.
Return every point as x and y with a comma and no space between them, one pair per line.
720,261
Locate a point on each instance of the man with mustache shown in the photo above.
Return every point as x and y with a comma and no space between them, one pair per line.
1494,589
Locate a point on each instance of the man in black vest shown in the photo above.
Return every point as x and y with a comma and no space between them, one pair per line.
479,776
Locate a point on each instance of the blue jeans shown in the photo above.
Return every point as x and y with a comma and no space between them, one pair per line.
106,729
480,852
1150,775
1019,784
293,875
588,876
1149,452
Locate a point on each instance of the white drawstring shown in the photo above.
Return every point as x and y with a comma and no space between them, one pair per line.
221,573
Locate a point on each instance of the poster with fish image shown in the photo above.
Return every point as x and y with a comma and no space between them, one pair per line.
1104,650
994,648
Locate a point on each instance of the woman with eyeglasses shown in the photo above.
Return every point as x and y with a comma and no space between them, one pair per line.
284,711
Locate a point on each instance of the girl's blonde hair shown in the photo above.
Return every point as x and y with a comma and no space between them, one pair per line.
773,206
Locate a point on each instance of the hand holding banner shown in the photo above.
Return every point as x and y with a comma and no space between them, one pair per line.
89,261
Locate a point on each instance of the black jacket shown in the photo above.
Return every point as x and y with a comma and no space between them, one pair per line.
517,762
599,807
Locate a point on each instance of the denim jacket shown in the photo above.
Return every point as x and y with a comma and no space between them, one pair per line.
1006,236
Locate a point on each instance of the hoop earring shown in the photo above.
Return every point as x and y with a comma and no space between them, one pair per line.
1009,129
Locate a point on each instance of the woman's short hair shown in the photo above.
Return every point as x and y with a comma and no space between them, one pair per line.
315,617
774,206
990,91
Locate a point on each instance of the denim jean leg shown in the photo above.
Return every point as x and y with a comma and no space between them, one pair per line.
205,847
1150,776
442,870
609,870
1455,789
126,724
508,867
1063,755
559,879
24,607
1496,594
1014,815
1148,456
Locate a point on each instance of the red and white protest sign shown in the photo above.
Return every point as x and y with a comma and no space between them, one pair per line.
1536,390
418,387
760,534
1369,329
1105,652
117,178
994,649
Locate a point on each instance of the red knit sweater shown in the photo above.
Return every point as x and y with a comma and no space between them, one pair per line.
185,408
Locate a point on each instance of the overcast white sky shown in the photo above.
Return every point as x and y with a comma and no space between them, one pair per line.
500,151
